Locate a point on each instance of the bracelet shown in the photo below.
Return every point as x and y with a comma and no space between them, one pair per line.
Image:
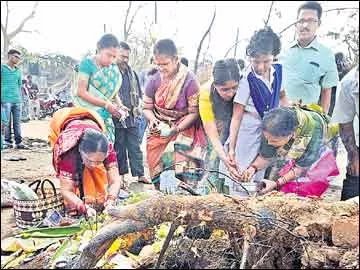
81,207
254,167
107,105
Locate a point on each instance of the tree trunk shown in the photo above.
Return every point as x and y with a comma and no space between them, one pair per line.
236,42
282,218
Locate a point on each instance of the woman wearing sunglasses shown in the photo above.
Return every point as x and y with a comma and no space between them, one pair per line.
216,107
259,91
84,160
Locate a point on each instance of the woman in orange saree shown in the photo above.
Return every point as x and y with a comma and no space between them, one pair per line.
175,139
84,160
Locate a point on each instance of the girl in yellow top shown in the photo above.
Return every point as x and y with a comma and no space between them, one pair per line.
216,106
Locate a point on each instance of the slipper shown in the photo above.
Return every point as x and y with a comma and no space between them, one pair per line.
144,181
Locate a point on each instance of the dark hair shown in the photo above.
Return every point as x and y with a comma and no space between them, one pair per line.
241,64
124,45
184,61
313,5
280,122
166,47
226,70
264,41
108,41
93,141
13,51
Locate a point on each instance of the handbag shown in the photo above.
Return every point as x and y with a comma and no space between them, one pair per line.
29,213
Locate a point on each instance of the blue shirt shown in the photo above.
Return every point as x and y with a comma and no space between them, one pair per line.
308,70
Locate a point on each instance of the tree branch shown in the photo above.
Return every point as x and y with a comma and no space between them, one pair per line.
269,14
125,22
132,19
20,27
236,43
202,40
7,16
3,29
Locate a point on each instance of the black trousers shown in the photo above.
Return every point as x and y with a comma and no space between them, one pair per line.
350,187
126,144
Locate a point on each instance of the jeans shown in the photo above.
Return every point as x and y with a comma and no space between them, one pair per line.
127,144
25,109
141,123
34,108
13,114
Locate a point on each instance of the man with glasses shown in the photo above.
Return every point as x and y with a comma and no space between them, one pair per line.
309,67
11,97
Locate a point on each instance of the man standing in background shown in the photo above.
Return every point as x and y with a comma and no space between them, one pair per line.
34,99
127,141
346,113
11,98
309,67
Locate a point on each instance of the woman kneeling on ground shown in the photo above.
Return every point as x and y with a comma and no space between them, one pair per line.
296,140
84,160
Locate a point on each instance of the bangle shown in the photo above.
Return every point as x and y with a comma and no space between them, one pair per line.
254,167
107,105
80,207
110,197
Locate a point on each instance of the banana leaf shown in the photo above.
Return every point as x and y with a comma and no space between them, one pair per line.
53,232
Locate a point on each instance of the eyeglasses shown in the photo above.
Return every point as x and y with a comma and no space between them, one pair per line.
89,161
17,56
309,21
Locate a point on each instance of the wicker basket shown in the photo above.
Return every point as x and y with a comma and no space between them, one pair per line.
29,213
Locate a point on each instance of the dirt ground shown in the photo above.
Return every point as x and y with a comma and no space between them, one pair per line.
38,165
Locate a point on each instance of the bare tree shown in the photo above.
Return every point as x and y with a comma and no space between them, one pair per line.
202,40
269,14
9,36
128,22
237,41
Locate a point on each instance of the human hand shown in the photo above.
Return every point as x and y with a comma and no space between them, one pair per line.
266,186
232,168
90,212
153,125
168,132
114,110
248,174
110,203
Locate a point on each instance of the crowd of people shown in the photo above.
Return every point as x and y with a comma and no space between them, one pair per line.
274,122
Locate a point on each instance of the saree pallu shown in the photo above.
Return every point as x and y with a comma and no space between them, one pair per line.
182,152
104,84
65,134
316,179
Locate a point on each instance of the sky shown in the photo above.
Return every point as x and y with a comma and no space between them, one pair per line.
73,28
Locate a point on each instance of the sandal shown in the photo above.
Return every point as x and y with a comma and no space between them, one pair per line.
144,180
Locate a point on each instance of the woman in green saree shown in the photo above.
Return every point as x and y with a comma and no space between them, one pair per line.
98,83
